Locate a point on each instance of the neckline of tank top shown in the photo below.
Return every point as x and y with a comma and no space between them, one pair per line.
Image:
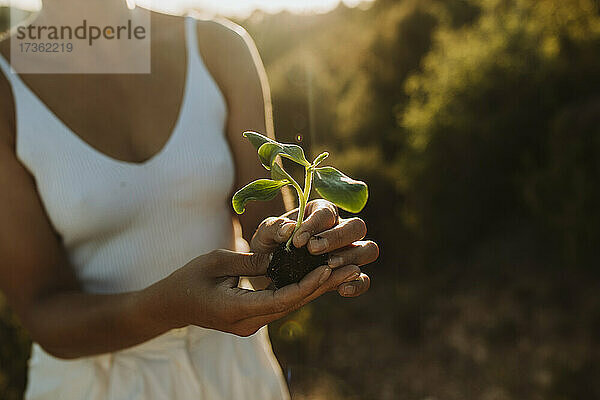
189,44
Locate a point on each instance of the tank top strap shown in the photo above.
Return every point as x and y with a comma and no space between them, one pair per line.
191,36
196,60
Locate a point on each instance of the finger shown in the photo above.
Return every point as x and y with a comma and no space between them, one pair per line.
345,233
266,302
337,277
311,207
221,262
271,232
356,287
322,218
358,253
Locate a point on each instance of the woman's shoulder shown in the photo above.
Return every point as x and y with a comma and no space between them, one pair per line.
212,31
222,30
225,43
229,54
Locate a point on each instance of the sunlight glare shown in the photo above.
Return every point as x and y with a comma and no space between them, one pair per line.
225,7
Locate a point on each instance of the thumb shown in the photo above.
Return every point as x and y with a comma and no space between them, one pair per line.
271,232
232,263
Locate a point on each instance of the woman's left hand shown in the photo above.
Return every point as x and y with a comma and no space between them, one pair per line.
323,231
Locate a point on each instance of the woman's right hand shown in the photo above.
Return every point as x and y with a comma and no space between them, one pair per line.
205,293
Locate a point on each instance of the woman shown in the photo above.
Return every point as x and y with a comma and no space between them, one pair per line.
112,210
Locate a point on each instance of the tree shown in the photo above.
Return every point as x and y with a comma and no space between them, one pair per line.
483,124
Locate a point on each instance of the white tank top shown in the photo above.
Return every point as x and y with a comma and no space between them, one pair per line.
127,225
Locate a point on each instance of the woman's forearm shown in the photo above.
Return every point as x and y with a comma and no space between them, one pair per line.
75,324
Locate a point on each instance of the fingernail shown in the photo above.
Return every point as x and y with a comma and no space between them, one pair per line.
324,275
349,290
352,277
303,238
336,261
318,244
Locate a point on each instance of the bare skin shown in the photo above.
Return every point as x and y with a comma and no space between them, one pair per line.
35,274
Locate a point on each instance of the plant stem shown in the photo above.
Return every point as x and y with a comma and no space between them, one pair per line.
302,200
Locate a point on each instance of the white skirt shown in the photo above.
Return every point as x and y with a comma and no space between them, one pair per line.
188,363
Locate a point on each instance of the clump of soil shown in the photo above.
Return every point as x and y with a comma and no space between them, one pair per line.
290,266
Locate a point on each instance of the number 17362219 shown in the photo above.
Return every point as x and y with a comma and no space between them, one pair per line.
46,47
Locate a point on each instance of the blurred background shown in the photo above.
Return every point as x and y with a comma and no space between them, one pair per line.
476,124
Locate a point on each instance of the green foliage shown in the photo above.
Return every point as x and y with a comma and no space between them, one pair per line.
262,189
563,191
480,123
268,149
320,158
345,192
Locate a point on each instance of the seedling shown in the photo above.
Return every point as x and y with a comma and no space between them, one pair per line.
289,264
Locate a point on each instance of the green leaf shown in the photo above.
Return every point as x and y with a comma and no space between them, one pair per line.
267,153
320,158
268,149
294,153
257,139
345,192
277,173
262,189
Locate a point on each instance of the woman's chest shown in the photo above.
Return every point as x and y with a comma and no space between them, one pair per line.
127,117
89,196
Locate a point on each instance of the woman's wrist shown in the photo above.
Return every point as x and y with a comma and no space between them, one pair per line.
156,306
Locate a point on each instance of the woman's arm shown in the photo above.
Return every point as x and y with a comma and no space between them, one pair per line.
41,286
233,60
68,323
